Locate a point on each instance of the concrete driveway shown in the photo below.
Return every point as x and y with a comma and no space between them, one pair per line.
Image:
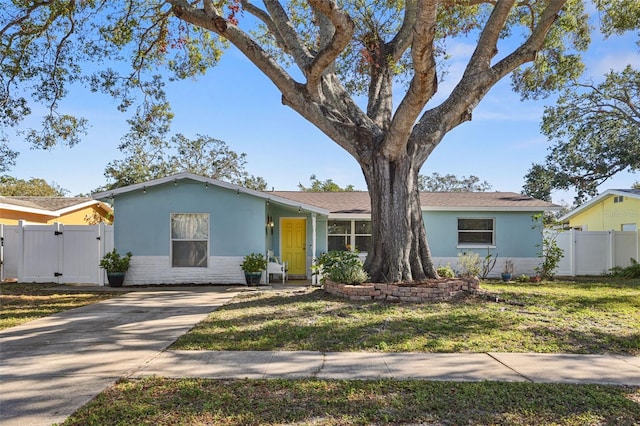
52,366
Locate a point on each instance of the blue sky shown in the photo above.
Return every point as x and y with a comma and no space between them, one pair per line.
237,104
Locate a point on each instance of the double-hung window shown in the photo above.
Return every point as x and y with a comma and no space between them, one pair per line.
362,235
189,239
476,232
349,235
339,235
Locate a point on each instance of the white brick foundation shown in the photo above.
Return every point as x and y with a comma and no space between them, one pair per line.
147,270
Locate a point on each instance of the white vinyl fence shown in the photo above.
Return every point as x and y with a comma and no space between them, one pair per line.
596,252
70,254
63,254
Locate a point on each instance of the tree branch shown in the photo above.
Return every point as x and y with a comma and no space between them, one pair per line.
328,119
529,49
282,28
423,84
27,14
209,8
342,35
487,44
253,51
476,82
403,39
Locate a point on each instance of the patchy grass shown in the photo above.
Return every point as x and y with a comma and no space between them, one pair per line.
25,302
158,401
592,315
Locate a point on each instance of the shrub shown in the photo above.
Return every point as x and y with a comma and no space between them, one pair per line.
254,262
446,271
342,267
631,271
113,262
469,263
550,253
523,278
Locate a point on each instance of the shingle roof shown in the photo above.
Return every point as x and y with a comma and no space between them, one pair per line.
359,201
44,203
335,202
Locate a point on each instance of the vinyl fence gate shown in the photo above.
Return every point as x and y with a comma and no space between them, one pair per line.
63,254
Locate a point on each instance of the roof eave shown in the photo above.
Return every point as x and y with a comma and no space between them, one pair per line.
31,210
356,216
75,207
493,208
239,189
593,201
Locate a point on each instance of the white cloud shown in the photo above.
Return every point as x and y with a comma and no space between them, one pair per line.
507,111
615,62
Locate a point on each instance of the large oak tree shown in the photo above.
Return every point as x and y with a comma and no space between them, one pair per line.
324,56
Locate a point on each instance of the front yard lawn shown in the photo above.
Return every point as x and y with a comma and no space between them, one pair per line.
25,302
587,315
594,315
158,401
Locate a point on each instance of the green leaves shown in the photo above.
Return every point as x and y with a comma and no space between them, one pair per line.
34,187
46,47
113,262
596,134
152,154
327,185
342,267
619,16
451,183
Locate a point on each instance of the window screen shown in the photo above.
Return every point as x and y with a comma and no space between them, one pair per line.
476,231
189,239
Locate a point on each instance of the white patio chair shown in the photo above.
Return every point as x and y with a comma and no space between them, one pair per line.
274,266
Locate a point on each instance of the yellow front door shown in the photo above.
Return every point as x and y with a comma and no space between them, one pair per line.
294,245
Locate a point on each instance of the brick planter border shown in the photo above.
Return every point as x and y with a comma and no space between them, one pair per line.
431,291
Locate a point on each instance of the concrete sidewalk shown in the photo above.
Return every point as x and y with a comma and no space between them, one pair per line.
512,367
51,367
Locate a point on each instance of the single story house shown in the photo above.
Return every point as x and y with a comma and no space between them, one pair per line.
613,210
47,210
191,229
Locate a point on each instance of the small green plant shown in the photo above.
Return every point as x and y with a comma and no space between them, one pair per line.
550,253
446,271
523,278
254,262
631,271
488,263
342,267
469,263
113,262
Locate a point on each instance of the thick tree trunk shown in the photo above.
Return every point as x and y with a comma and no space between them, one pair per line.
399,249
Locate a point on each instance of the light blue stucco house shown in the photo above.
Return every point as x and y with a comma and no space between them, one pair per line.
191,229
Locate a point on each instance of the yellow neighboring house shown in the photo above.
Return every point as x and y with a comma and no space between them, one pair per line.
47,210
614,209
